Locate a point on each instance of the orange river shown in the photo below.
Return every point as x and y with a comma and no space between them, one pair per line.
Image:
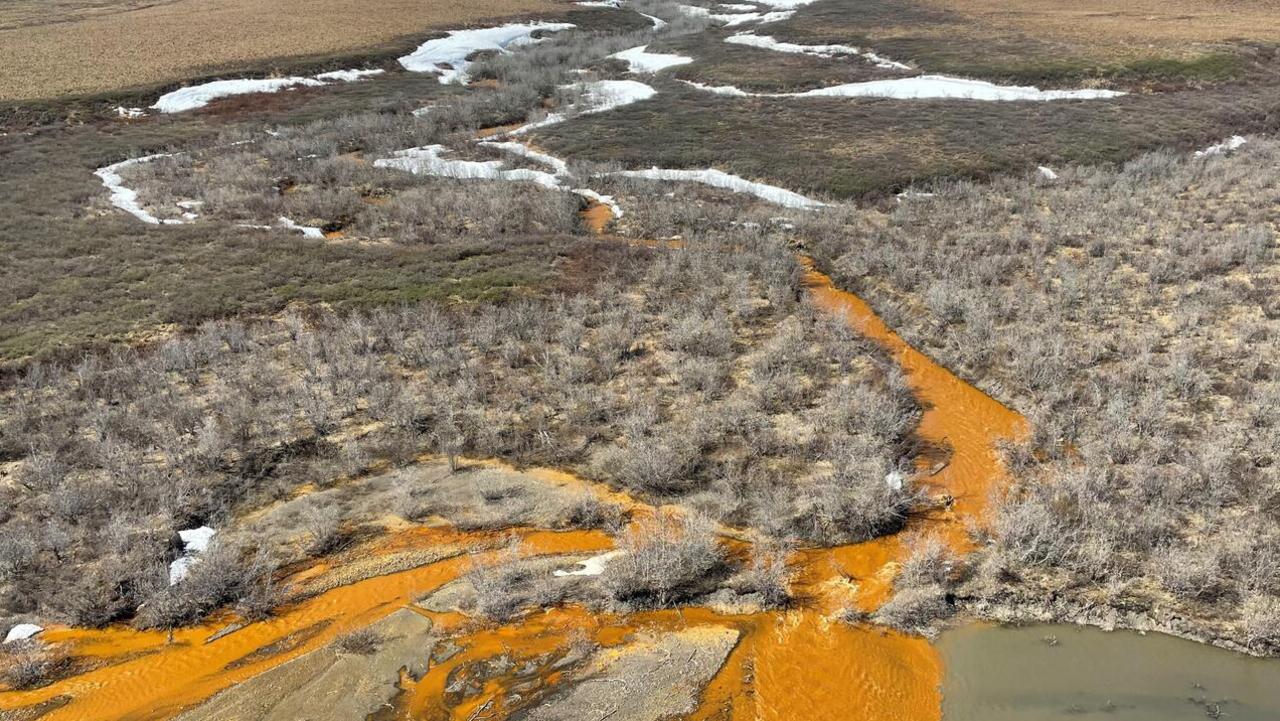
795,665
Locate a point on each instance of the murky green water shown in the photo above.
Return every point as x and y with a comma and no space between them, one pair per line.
1050,673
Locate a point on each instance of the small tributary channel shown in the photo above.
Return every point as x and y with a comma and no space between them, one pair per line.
1056,672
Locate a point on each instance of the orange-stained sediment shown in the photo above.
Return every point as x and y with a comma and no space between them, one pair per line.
173,676
800,664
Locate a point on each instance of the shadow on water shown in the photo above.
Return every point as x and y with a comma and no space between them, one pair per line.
1054,672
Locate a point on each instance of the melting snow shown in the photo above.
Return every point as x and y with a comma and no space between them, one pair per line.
602,199
126,198
427,161
597,97
926,87
130,113
198,96
306,230
720,179
524,151
658,23
1226,146
732,19
348,76
593,566
448,55
768,42
641,61
22,632
194,541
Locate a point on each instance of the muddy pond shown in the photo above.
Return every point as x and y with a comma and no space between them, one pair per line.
1043,673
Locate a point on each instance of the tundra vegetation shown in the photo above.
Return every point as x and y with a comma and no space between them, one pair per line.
1129,310
1131,313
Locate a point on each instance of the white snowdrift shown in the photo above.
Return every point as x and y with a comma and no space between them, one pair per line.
640,60
593,566
198,96
426,160
608,200
348,76
720,179
130,113
306,230
524,151
926,87
194,542
1226,146
448,55
597,97
658,23
734,19
768,42
126,198
24,631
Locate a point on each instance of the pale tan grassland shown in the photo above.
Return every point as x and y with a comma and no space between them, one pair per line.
1137,24
59,48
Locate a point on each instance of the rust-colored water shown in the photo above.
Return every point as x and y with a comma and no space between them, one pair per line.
596,217
957,414
173,676
804,664
796,665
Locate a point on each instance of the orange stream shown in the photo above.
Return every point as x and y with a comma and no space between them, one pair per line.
796,665
178,675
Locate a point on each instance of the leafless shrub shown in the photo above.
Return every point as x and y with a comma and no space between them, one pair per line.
666,559
361,642
31,664
769,574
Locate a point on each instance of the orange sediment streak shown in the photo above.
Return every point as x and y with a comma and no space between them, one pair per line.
956,414
596,216
805,664
178,675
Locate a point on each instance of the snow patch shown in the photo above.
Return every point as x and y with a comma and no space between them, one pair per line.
734,19
348,76
720,179
524,151
593,566
658,23
608,200
447,56
22,632
768,42
597,97
306,230
194,542
640,60
912,194
126,198
1226,146
925,87
130,113
426,160
599,3
198,96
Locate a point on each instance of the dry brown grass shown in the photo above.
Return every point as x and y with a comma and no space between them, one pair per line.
53,49
1137,23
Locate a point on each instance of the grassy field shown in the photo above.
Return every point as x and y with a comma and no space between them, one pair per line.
80,48
853,148
76,275
1148,47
